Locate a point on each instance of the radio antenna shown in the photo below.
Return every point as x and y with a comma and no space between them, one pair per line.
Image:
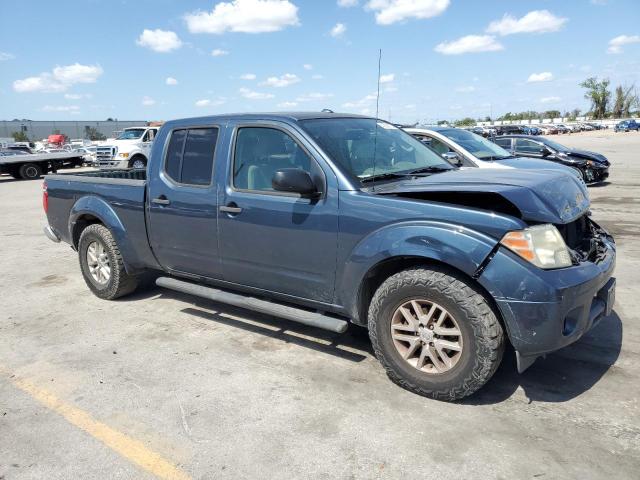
375,138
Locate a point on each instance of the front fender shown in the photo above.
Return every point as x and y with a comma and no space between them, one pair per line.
97,207
460,247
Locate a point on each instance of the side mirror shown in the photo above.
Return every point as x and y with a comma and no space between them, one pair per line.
294,180
452,157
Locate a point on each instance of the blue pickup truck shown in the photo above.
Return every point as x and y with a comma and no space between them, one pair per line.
329,219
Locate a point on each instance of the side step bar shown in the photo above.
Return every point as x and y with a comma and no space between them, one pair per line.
306,317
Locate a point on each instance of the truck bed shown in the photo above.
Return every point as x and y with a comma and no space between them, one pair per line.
118,195
38,157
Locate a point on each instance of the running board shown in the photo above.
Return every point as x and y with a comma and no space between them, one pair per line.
306,317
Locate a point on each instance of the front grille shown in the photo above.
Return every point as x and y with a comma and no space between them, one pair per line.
576,232
105,153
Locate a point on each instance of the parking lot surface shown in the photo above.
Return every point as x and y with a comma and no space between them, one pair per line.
166,385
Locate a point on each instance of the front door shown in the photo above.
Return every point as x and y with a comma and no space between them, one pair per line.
182,215
271,240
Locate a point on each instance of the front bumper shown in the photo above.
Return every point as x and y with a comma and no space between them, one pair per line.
113,164
545,310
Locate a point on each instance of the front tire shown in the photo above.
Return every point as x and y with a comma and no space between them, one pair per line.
102,265
138,163
434,333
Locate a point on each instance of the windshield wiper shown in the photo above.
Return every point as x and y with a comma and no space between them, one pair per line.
431,169
382,176
492,157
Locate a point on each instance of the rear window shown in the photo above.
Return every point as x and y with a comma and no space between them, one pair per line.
190,154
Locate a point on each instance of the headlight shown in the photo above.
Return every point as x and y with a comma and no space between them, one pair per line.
124,155
541,245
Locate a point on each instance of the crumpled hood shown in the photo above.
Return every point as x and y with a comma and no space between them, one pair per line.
596,157
547,196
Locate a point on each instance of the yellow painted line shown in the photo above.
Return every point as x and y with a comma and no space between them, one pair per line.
130,448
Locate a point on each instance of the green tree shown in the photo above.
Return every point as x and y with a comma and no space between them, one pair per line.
20,137
625,98
597,91
93,134
465,122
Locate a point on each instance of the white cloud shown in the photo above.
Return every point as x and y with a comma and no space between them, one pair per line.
347,3
61,108
205,102
536,21
60,79
469,44
392,11
466,89
338,30
281,81
364,101
148,101
248,76
218,52
287,105
540,77
388,78
251,95
77,96
616,44
391,89
310,97
161,41
550,99
6,56
410,106
307,66
246,16
171,81
317,76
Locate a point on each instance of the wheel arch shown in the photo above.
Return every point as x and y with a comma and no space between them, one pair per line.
379,272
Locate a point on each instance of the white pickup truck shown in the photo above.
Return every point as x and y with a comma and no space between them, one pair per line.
129,150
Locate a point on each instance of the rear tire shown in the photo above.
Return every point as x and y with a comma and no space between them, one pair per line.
480,337
30,171
102,265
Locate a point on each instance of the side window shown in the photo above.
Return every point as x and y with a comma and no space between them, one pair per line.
439,146
260,152
190,154
527,146
504,143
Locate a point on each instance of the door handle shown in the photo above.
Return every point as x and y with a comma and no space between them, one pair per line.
161,200
231,208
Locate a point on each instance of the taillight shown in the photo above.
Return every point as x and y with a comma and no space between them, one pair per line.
45,197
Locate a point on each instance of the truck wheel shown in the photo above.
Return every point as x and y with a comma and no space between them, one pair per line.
30,171
435,334
101,264
138,163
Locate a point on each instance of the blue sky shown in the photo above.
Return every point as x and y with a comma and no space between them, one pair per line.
442,59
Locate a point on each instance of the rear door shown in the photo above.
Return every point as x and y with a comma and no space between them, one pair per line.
182,204
272,240
504,143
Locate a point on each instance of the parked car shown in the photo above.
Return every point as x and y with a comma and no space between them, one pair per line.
289,215
531,130
587,127
549,129
509,129
593,167
469,150
562,128
627,126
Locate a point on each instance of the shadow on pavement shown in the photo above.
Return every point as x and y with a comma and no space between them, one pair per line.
559,377
562,375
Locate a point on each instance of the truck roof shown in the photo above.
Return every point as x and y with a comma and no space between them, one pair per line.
282,116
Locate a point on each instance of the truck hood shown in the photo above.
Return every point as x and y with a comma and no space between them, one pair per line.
545,196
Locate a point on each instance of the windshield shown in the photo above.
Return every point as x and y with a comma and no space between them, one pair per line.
132,134
550,143
351,143
478,146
